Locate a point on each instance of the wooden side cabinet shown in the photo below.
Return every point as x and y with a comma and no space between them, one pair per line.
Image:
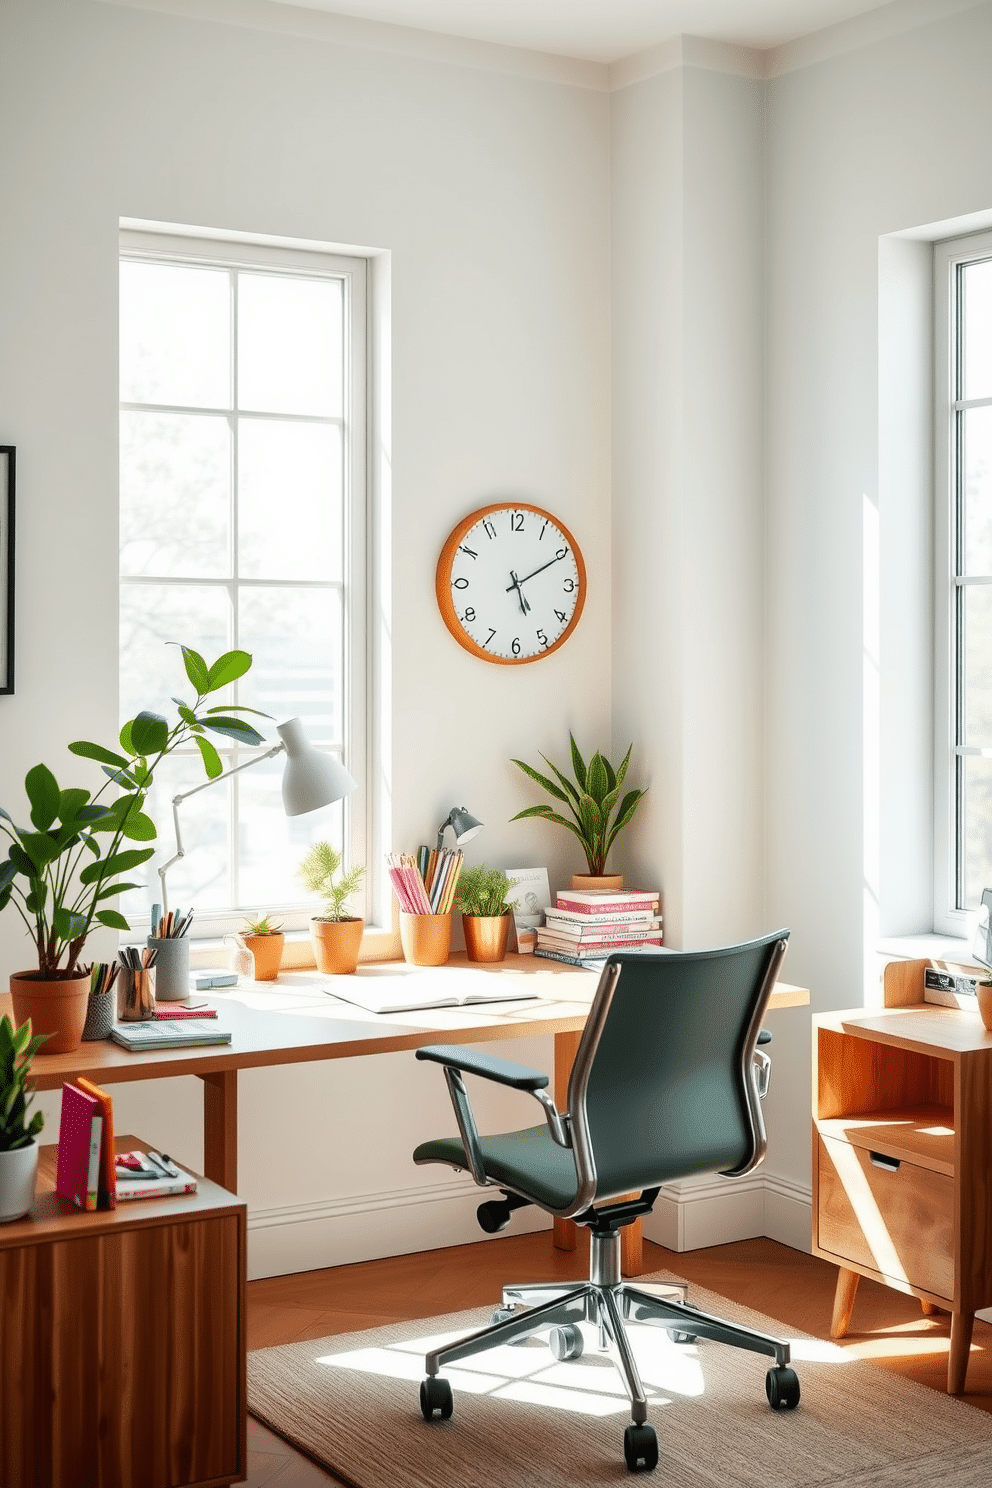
902,1155
123,1359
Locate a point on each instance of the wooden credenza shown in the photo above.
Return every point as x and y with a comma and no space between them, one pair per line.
123,1358
902,1155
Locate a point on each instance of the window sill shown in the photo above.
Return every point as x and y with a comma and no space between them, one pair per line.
378,944
934,947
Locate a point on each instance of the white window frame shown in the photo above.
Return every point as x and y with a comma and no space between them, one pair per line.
948,256
362,748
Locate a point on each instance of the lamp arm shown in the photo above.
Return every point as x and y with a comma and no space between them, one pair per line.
195,790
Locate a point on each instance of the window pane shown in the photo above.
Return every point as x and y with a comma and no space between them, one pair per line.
175,335
977,724
200,880
977,512
289,492
290,344
295,639
977,785
272,845
175,495
152,614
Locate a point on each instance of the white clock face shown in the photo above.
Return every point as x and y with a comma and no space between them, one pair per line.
515,583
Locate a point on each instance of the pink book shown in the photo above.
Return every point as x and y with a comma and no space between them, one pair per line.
81,1127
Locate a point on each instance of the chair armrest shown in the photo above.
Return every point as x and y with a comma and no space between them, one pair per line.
765,1037
503,1071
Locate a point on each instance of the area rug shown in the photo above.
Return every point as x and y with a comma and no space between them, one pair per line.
521,1420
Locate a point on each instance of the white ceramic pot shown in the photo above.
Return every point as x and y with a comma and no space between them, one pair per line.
18,1171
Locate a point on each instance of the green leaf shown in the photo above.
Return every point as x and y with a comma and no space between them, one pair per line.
237,708
570,788
561,821
40,847
597,780
43,793
96,752
71,802
186,714
578,764
113,919
622,767
5,896
211,759
68,926
543,810
36,900
196,668
21,860
122,777
87,841
139,828
149,733
227,668
8,872
542,781
234,728
591,817
92,813
125,740
110,891
118,863
610,773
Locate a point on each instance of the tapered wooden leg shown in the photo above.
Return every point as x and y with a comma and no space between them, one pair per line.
220,1128
847,1288
632,1249
928,1308
957,1361
566,1046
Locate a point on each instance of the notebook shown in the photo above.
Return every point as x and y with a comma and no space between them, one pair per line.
156,1035
80,1130
401,993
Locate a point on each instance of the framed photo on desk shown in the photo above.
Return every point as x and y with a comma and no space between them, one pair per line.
6,568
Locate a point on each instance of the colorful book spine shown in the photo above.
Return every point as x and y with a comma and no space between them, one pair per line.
582,917
549,955
597,943
80,1131
107,1190
606,904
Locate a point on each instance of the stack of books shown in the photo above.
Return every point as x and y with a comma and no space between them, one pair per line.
588,924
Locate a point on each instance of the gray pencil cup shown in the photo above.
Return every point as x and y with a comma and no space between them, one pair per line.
171,968
99,1014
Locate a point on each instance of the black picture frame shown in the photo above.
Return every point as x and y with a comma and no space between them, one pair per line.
7,467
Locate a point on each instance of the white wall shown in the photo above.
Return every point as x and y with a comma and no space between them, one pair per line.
490,193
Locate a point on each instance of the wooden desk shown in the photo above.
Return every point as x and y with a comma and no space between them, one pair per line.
902,1155
124,1340
293,1021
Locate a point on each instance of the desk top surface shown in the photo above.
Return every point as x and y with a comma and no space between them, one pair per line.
298,1019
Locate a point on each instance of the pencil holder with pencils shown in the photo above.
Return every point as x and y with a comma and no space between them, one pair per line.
171,967
425,888
136,985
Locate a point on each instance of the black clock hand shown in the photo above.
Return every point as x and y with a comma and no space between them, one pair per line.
524,606
517,582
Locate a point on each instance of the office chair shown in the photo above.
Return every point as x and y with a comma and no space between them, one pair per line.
666,1083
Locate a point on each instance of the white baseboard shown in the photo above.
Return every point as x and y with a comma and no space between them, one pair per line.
363,1227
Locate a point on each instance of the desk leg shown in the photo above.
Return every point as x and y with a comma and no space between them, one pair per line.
220,1128
566,1047
957,1361
565,1235
847,1289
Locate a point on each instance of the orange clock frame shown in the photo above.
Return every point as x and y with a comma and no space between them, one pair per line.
442,582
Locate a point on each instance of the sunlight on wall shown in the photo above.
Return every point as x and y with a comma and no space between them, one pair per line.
870,744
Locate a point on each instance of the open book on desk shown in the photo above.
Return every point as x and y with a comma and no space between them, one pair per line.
404,992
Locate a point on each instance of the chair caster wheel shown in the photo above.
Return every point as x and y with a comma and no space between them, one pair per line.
640,1448
566,1342
677,1335
435,1398
501,1315
782,1388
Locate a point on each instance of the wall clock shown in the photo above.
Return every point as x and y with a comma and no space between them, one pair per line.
511,583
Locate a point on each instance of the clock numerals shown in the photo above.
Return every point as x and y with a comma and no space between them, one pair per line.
489,529
543,640
459,583
470,551
516,521
560,615
489,637
515,645
561,552
542,531
469,615
569,586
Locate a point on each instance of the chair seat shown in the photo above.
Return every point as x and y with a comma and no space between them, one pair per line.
530,1162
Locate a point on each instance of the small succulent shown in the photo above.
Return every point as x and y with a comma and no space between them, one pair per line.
317,871
261,926
17,1049
482,891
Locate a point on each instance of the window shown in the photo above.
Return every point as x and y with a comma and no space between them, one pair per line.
243,523
963,591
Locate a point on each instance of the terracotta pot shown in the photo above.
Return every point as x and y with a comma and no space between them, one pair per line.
18,1171
336,944
55,1006
426,939
591,881
267,950
983,993
486,936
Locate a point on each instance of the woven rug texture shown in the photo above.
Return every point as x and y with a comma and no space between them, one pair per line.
522,1420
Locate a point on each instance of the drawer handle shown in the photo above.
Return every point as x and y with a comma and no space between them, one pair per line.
887,1164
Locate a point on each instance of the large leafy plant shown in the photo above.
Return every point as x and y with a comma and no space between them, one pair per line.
17,1049
61,872
318,871
599,812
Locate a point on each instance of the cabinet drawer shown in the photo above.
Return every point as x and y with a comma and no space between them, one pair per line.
899,1223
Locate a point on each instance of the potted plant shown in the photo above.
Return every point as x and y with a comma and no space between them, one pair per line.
265,941
18,1148
336,935
62,872
486,916
599,812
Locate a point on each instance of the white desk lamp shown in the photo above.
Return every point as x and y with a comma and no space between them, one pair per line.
310,780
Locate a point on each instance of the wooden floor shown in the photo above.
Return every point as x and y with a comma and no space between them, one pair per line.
887,1328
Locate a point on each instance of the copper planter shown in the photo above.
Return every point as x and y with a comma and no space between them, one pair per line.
486,936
